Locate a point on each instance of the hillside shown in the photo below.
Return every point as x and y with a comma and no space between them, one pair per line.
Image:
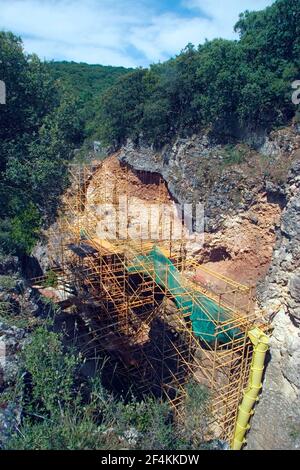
234,88
87,82
84,79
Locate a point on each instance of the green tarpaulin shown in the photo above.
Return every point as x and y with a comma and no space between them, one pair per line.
205,314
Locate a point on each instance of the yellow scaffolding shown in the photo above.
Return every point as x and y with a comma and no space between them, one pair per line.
131,315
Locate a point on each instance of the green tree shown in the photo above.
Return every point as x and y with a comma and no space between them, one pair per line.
229,86
40,126
121,109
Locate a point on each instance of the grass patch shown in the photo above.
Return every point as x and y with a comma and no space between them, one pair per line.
62,410
7,283
234,154
51,279
295,432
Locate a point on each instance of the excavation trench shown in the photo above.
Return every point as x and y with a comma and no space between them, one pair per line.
136,322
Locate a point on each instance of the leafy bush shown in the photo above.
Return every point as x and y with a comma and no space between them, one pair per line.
68,432
25,229
52,371
229,86
196,415
150,419
61,411
51,279
234,155
7,283
39,128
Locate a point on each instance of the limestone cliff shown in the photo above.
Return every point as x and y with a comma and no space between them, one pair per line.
276,423
226,178
252,211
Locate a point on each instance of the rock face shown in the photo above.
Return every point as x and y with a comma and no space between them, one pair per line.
195,170
239,201
241,189
276,423
8,264
225,178
12,340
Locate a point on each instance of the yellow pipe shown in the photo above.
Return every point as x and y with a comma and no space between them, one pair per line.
260,342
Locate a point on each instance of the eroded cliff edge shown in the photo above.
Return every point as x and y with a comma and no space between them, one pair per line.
276,423
252,223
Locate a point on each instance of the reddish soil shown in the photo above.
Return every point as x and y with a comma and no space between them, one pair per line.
242,250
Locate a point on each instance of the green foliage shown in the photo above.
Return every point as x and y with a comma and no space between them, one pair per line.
228,86
150,419
234,155
121,108
195,430
87,83
51,279
294,432
75,425
85,80
25,228
7,283
40,125
52,371
61,411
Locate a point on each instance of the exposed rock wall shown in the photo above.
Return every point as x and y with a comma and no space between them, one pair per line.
276,423
200,169
194,170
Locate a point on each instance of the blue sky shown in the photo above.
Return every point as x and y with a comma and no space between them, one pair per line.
119,32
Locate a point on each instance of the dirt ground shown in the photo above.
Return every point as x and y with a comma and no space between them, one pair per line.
243,249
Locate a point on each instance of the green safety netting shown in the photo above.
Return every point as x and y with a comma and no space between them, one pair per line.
205,314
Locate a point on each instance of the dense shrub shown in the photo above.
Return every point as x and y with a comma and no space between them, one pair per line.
61,410
230,86
39,127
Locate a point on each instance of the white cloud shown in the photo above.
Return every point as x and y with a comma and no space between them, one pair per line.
225,14
168,34
123,32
